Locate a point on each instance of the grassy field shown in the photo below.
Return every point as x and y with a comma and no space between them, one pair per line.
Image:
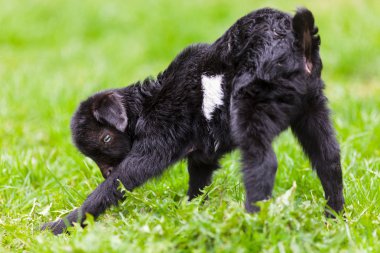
53,54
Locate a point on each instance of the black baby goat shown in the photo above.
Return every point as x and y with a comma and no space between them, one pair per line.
261,77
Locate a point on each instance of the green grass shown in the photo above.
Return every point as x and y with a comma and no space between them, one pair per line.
53,54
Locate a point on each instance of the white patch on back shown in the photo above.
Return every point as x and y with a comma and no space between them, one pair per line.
212,94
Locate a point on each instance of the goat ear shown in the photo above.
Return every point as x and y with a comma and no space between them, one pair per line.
303,26
108,108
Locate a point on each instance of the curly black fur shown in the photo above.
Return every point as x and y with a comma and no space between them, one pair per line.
271,80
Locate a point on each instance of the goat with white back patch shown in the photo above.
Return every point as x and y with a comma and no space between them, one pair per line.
261,77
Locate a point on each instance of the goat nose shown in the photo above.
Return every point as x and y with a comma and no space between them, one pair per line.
105,170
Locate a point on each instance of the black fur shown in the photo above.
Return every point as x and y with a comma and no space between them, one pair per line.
271,80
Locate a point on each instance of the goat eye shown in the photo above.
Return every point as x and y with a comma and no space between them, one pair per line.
107,138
